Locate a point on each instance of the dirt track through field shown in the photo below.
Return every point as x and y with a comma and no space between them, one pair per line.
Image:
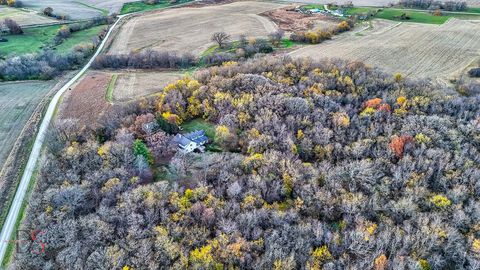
190,29
417,50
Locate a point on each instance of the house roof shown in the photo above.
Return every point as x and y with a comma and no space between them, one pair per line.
197,137
181,140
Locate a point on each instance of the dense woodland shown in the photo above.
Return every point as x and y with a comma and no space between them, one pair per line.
326,165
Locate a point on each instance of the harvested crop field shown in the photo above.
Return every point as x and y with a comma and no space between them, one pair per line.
75,10
23,17
190,29
133,85
417,50
113,6
17,102
85,102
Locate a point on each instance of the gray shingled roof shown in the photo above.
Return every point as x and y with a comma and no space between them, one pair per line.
197,137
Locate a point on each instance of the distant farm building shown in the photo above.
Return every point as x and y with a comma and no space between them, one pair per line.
189,142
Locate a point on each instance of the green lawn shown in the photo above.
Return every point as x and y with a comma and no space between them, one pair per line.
209,128
84,36
473,10
415,16
359,10
314,6
395,14
33,40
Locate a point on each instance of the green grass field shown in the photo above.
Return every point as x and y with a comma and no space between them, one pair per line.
359,10
140,6
416,16
395,15
473,10
209,128
314,6
35,39
79,37
111,87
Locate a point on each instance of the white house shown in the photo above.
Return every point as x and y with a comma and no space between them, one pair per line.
189,142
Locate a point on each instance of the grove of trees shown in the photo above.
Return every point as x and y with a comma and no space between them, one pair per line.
435,5
320,35
326,165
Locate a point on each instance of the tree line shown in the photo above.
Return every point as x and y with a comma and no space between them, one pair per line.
435,5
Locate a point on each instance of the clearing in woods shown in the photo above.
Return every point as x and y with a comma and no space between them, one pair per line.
418,50
133,85
18,100
176,30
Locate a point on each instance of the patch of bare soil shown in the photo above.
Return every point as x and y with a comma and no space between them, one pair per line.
85,102
290,20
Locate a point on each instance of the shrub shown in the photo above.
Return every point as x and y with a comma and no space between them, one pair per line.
48,11
146,59
397,145
13,27
218,58
440,201
474,72
141,149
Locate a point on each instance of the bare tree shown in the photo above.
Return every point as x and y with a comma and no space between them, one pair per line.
221,38
13,26
276,37
48,11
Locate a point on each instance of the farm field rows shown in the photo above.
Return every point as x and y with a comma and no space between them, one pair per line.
175,30
18,101
75,10
23,17
417,50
